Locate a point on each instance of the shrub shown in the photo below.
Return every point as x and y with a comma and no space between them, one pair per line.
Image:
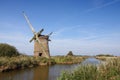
8,50
70,53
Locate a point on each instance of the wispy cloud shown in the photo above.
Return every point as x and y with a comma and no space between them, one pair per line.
58,32
77,31
91,44
65,29
101,6
95,42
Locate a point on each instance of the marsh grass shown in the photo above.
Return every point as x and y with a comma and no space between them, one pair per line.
23,61
105,58
68,59
108,71
10,63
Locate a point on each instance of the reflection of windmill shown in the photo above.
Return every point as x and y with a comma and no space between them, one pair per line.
41,47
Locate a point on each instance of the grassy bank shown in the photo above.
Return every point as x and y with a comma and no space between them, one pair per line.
68,59
18,62
10,63
108,71
11,59
105,58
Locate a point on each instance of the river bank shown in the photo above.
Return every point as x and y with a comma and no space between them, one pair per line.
68,59
51,72
21,62
105,58
110,70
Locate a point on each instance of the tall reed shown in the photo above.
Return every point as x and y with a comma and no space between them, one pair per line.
108,71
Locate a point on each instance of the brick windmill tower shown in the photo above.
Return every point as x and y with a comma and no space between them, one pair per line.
41,45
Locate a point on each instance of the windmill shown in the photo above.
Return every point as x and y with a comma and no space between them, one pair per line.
41,47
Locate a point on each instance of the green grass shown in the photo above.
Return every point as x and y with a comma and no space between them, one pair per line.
108,71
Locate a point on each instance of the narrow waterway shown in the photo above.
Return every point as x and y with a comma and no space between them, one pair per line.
42,72
92,60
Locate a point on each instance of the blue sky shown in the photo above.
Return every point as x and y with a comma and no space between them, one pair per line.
86,27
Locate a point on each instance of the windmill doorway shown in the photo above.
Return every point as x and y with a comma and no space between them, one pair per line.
40,54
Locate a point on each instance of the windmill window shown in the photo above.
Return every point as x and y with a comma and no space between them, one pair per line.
40,54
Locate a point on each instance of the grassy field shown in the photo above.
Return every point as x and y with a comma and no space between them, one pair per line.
110,70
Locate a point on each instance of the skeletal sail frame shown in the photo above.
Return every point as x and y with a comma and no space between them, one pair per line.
41,47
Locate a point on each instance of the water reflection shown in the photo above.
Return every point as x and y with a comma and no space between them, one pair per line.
92,61
55,70
42,72
37,73
17,75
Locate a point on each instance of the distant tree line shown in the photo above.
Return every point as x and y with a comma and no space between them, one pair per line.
106,55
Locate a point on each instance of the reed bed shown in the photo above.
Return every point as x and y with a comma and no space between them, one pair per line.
110,70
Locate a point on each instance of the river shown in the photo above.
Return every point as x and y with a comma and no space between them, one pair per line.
43,72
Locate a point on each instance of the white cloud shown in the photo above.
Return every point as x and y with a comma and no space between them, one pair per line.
101,5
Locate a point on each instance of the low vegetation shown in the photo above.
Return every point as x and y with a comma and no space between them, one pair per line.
68,59
10,63
105,57
107,71
22,61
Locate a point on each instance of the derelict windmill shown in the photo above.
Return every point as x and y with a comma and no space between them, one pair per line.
41,47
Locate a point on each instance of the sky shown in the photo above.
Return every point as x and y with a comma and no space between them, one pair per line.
85,27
